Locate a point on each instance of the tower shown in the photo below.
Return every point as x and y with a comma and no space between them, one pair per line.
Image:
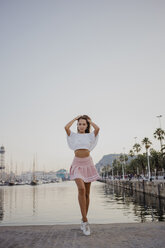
2,157
2,161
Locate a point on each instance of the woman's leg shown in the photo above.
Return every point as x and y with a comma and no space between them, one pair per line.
82,197
87,186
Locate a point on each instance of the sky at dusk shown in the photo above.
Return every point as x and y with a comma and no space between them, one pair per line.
60,59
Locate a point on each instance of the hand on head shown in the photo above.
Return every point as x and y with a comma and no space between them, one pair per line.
84,116
78,117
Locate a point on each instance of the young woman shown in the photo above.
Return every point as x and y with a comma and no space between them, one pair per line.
82,169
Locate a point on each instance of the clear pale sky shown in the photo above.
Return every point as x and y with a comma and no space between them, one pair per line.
60,59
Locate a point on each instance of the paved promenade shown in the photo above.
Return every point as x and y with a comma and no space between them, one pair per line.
125,235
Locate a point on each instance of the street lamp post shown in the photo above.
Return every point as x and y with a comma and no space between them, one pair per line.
123,171
137,155
159,116
112,171
148,161
124,163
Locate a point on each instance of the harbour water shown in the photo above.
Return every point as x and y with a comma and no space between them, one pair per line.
57,203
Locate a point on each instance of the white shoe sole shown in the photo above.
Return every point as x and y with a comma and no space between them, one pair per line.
86,234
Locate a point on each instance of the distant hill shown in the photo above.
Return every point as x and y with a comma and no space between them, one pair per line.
108,159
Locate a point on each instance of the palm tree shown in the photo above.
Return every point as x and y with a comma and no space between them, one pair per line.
108,167
141,160
116,166
163,156
163,150
160,135
156,160
103,170
147,144
131,153
123,159
137,147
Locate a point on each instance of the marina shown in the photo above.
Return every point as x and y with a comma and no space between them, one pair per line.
57,203
47,215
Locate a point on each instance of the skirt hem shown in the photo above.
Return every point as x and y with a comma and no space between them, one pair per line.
85,180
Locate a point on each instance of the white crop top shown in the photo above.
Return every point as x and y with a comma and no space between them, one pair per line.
82,140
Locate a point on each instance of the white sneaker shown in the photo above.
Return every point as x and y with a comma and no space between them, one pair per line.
86,228
81,226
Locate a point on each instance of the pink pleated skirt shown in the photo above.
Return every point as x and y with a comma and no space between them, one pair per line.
84,168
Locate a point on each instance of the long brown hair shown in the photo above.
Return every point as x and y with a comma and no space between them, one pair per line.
85,117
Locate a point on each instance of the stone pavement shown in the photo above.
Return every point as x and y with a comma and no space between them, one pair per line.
118,235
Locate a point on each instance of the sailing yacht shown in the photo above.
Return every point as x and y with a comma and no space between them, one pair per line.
34,180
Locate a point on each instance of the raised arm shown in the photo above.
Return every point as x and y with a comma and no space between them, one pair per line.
96,128
69,124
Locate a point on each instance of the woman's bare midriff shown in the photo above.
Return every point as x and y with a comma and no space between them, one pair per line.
81,153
